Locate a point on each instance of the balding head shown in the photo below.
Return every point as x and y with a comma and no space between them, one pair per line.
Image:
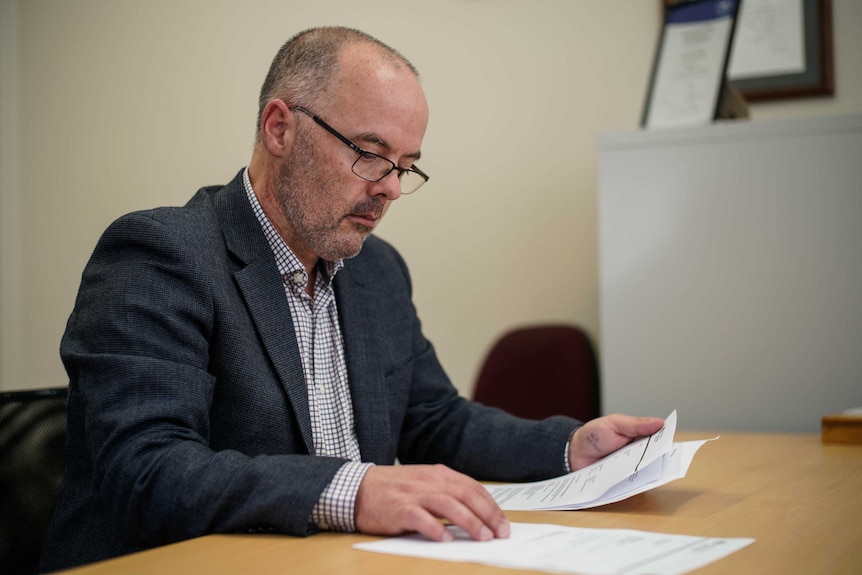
305,68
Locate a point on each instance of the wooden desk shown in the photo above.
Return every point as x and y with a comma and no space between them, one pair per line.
801,500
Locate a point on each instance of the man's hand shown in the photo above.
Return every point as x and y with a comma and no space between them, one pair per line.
407,498
604,435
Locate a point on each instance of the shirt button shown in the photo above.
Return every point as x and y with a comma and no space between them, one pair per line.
298,277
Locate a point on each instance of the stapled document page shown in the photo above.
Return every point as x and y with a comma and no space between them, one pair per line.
639,466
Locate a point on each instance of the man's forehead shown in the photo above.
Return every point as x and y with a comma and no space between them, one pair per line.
367,67
374,139
380,98
376,101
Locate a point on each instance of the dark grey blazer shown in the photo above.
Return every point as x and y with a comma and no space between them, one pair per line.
188,411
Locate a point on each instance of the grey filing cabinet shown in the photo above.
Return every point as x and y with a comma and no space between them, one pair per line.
731,272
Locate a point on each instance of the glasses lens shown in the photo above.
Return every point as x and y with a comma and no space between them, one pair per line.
372,167
410,182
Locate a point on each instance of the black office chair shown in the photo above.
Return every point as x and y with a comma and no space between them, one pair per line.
542,370
32,462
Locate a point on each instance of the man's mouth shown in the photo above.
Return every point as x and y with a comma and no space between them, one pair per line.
368,220
366,214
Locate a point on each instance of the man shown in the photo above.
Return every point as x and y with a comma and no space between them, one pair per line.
252,361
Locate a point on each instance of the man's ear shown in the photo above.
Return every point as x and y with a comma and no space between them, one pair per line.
277,128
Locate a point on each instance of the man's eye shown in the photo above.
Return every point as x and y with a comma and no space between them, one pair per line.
369,158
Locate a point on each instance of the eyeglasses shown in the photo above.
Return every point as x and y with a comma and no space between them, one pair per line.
372,167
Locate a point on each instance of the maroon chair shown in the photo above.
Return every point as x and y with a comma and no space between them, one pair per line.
539,371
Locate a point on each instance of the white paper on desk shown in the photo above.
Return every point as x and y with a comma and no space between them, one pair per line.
562,549
639,466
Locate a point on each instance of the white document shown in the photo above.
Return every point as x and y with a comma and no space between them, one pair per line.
639,466
560,549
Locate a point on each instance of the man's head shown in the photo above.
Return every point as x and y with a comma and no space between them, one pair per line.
322,82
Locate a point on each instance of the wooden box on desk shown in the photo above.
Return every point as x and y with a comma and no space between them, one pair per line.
842,428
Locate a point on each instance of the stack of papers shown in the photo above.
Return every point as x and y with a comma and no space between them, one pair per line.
639,466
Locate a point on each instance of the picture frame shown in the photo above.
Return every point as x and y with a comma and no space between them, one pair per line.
817,79
687,85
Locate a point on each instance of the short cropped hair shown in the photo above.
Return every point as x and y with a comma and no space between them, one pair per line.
306,65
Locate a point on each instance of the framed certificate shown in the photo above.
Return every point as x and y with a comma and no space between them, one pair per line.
783,49
688,74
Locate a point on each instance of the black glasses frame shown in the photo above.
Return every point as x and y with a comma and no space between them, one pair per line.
365,153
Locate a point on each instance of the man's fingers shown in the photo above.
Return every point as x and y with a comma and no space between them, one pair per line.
416,498
457,513
479,501
606,434
421,521
638,426
465,503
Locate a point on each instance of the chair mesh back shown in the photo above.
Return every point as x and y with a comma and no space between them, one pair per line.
32,461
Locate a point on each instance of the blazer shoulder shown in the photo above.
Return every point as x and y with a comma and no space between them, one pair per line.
206,202
203,215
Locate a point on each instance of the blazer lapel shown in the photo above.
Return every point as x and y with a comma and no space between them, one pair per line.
370,412
261,286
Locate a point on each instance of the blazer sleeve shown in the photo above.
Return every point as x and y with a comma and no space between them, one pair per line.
145,372
440,426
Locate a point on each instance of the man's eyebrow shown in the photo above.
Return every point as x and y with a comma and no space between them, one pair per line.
372,138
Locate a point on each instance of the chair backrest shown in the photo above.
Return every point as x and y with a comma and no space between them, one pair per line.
32,462
539,371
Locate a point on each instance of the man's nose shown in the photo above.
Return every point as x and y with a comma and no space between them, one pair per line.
388,186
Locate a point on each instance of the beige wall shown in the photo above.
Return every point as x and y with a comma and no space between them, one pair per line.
110,106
